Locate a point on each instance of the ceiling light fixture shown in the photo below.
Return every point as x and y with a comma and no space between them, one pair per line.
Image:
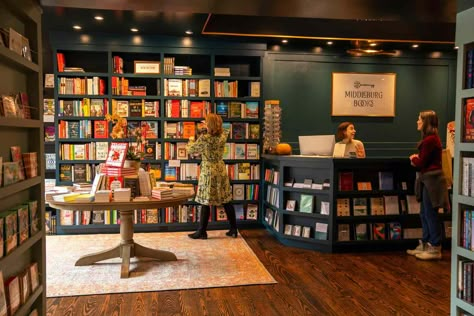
284,41
329,43
414,46
373,44
456,47
189,32
99,18
77,27
134,29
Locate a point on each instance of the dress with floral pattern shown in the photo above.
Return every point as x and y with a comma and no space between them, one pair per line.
213,185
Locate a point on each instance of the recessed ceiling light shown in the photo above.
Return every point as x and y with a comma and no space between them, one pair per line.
415,45
99,18
134,29
373,44
284,41
329,43
189,32
77,27
456,47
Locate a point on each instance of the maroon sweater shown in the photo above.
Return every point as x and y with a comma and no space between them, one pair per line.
429,157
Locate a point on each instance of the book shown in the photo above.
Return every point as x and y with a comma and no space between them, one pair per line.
359,206
391,205
116,155
395,231
16,157
290,205
364,186
296,231
251,109
343,232
343,207
10,231
11,172
306,203
220,214
378,231
13,293
101,129
346,181
252,212
23,223
222,109
361,232
385,180
321,231
377,206
3,297
238,191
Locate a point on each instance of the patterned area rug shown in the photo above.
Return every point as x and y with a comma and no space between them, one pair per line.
219,261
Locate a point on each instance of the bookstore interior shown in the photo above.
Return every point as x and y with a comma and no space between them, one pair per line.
95,125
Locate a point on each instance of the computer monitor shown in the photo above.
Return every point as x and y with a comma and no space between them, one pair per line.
317,145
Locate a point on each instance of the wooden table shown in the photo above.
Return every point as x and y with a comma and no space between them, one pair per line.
127,248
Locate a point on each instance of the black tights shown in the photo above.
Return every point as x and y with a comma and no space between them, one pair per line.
206,210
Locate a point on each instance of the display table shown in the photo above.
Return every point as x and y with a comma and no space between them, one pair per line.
127,247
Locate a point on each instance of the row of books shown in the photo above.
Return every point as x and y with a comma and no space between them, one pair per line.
234,109
15,106
17,225
120,86
22,166
320,231
469,82
81,86
467,229
78,172
187,87
85,107
385,182
186,108
380,205
465,278
242,191
16,289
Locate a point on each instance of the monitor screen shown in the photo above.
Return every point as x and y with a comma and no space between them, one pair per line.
317,145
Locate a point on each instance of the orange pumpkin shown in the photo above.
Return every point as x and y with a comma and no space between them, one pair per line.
283,149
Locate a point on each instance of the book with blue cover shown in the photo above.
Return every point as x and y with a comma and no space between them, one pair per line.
385,180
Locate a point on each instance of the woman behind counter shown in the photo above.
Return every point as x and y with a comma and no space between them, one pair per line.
213,185
345,135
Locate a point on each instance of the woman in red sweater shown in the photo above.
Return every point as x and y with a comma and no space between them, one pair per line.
431,187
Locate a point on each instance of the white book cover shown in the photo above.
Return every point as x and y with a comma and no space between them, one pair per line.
101,150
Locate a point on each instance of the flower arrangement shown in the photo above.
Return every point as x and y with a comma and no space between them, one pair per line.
137,135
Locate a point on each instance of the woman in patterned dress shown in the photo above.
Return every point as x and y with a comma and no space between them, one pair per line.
213,186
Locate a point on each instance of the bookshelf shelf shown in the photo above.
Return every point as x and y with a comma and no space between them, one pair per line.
21,63
343,232
18,74
175,63
461,258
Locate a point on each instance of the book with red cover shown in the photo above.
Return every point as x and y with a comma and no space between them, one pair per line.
469,121
116,155
101,129
346,181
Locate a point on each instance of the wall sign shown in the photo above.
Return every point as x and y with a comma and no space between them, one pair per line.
147,67
363,94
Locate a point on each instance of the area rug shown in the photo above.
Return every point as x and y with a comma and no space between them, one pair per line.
219,261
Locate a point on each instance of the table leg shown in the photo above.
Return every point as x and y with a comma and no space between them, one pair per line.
162,255
99,256
127,248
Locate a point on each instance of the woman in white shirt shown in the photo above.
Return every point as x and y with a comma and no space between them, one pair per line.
345,135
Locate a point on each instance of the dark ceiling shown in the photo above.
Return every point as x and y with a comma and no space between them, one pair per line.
401,21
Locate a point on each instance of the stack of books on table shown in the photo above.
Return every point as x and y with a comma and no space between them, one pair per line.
183,188
122,195
161,193
84,197
67,197
103,195
119,171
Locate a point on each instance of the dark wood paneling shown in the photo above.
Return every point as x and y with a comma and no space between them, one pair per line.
309,283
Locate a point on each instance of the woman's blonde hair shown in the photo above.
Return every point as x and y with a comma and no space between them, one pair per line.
214,124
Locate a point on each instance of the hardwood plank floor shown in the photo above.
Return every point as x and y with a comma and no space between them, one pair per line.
309,283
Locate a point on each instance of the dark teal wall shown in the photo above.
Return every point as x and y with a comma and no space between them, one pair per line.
302,83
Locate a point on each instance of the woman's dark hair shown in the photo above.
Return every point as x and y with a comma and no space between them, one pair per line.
430,123
341,129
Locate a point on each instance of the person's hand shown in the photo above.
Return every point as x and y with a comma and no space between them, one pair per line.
413,156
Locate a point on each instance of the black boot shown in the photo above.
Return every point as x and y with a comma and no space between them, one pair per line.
201,233
230,212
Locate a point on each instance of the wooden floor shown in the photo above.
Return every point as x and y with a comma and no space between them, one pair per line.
309,283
